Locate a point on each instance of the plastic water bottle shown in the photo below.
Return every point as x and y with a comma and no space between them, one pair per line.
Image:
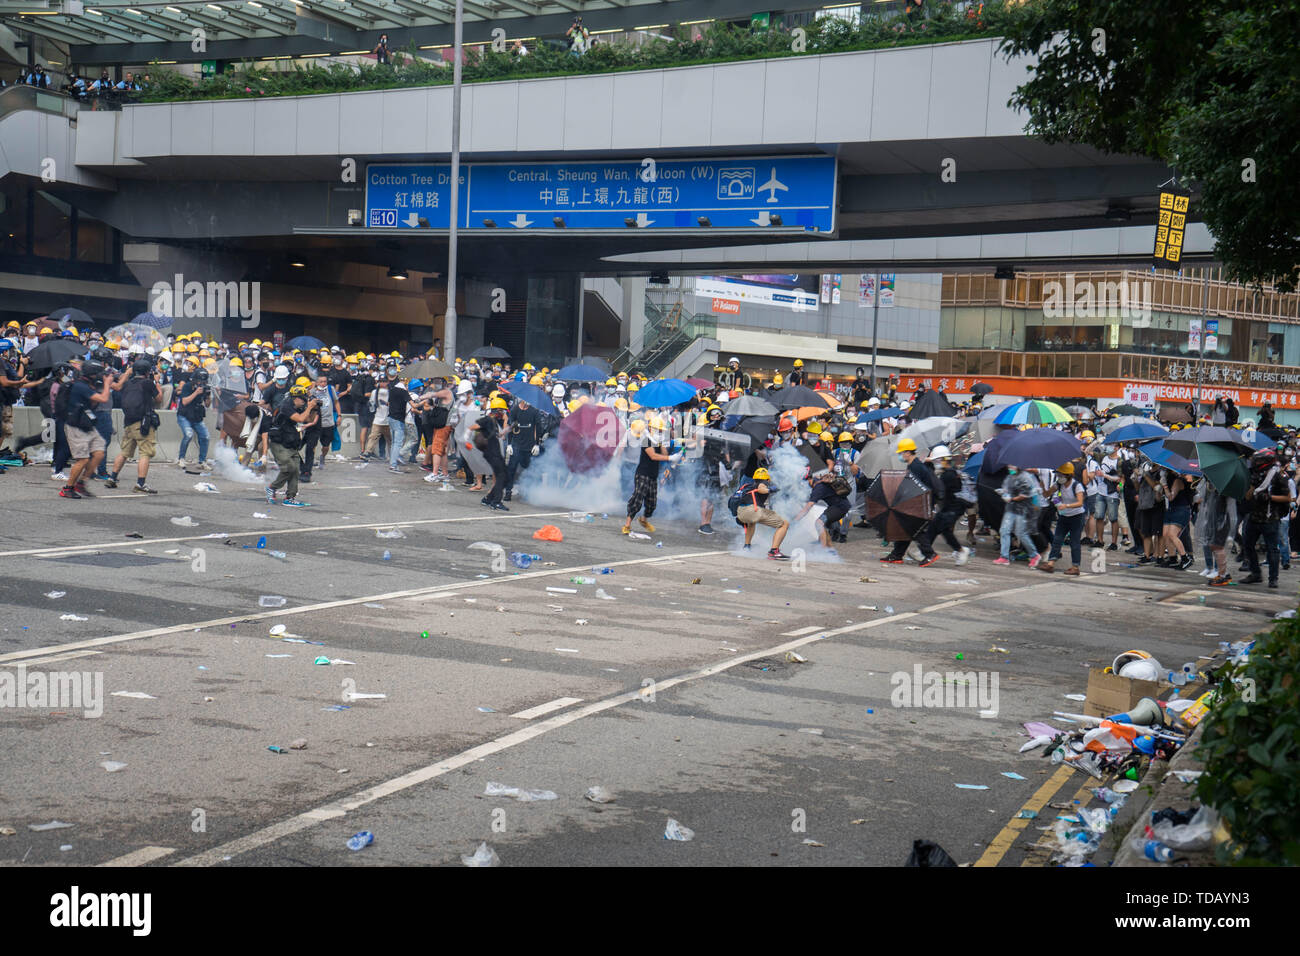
602,570
388,556
582,580
280,555
1155,850
360,840
1107,795
520,560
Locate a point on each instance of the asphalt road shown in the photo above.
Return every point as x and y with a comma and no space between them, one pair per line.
673,691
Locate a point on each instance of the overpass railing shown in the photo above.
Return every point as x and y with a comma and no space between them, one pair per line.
669,330
15,98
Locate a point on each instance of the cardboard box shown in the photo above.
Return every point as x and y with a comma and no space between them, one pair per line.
1111,694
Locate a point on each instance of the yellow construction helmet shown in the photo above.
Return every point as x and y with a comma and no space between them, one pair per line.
610,383
845,436
761,474
498,403
778,379
236,362
798,363
906,444
537,379
302,381
298,391
815,427
528,367
620,404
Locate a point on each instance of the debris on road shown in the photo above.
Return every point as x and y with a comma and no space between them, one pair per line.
523,796
361,840
549,532
55,595
112,766
970,786
72,617
675,831
272,600
815,731
184,521
483,856
299,744
52,825
394,533
811,842
135,694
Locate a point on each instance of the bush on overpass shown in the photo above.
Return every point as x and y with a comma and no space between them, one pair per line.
721,43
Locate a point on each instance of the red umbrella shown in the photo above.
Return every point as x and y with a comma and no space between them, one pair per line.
699,383
589,437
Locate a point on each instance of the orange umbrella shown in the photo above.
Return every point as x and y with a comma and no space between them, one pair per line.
809,411
832,401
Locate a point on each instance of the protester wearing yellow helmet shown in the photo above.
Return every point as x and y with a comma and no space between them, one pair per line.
645,482
918,472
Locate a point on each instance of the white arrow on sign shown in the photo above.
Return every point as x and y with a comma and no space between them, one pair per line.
520,221
412,220
764,218
642,220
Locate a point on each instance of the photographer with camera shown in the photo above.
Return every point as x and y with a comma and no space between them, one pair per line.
85,442
579,37
140,400
191,406
286,439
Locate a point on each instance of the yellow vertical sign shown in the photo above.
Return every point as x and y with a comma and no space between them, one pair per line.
1171,226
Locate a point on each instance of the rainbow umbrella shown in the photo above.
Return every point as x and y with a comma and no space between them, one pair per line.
1032,412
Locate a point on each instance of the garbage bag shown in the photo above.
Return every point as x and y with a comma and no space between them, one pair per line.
928,853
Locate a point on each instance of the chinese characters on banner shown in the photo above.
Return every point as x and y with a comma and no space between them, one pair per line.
887,290
826,289
1143,396
1170,225
867,283
1194,335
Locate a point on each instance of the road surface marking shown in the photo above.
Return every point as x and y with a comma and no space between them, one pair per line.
1003,842
324,606
59,657
1046,841
344,805
142,856
558,704
141,542
802,631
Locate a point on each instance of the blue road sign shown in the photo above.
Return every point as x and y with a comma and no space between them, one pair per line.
799,191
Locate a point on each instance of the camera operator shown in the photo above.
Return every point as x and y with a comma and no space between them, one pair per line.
85,442
191,407
140,399
286,439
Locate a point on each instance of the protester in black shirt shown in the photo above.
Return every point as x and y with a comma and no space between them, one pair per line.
527,426
487,438
140,396
645,482
286,440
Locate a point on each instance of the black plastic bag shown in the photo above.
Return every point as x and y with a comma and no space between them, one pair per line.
927,853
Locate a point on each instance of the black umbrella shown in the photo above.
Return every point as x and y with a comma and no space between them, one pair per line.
931,404
815,461
1127,410
797,396
898,506
1184,442
757,428
980,388
489,352
54,352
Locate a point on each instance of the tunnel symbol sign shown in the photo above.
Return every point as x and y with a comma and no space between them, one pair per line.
736,182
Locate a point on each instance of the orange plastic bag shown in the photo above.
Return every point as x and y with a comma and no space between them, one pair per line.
548,533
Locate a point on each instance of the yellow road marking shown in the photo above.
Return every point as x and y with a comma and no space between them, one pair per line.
998,847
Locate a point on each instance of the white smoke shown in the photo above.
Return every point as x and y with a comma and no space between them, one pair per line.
225,464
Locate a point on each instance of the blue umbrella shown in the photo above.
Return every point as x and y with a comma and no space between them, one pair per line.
304,342
879,414
663,392
1257,439
153,320
1138,431
531,394
1157,452
1035,448
972,466
582,373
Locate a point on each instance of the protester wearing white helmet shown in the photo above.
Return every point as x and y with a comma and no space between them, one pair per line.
951,506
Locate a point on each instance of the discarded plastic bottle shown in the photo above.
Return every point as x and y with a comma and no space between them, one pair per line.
602,570
521,560
360,840
1058,755
1155,850
582,580
279,554
1107,795
388,555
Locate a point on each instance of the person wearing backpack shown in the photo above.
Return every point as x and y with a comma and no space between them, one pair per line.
285,440
749,505
832,490
85,441
441,424
1067,495
140,398
951,507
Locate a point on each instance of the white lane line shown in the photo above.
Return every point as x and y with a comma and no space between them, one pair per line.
558,704
327,605
802,631
141,856
941,606
60,657
141,542
343,806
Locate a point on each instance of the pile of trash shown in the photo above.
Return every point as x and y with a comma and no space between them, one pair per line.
1116,748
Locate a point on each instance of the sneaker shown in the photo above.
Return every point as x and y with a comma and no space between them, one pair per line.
1185,563
304,479
647,525
431,478
140,489
775,555
498,506
100,477
1034,561
1222,580
1253,579
83,490
110,482
270,495
930,560
1113,547
705,529
890,560
1207,572
295,503
744,547
962,556
507,496
395,470
1073,572
626,530
59,476
1145,560
1273,585
1001,561
67,491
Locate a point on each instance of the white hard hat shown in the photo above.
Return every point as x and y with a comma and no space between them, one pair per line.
939,451
135,349
148,350
873,401
464,387
557,391
281,371
733,359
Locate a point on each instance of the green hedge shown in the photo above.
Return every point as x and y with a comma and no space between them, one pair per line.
1251,749
721,43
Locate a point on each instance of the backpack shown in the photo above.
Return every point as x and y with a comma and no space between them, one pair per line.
438,417
840,485
737,499
133,403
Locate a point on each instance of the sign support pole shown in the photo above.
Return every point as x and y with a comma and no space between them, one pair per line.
449,322
875,327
